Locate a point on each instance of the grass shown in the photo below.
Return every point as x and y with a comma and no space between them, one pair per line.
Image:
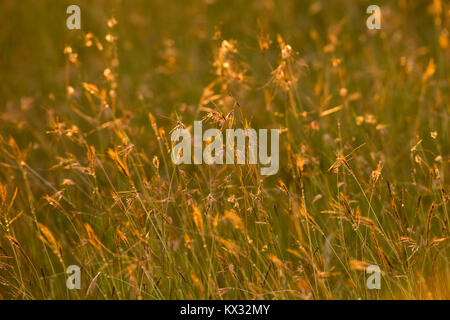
85,171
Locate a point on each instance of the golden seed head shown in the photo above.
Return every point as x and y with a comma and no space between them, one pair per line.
67,50
70,90
112,22
343,92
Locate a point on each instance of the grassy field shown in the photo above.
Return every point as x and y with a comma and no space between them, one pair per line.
85,171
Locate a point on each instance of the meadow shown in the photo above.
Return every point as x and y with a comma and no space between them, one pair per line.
86,176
